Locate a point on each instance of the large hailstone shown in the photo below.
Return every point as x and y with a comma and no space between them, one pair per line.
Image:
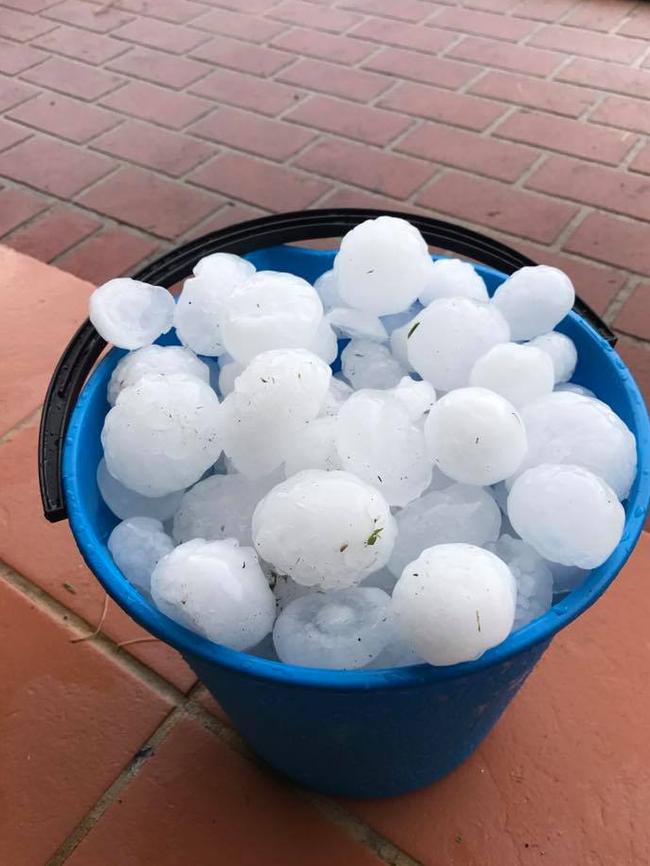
200,309
228,372
518,373
454,602
357,324
218,507
314,447
163,360
377,441
327,290
216,589
368,364
324,529
325,344
534,300
565,427
567,514
533,575
382,266
340,630
130,314
162,434
271,310
475,436
453,278
273,397
562,352
137,545
416,397
449,336
125,503
457,514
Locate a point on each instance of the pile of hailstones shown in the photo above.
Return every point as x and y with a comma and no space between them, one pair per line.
417,506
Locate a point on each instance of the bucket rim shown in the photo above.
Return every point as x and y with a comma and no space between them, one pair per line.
196,647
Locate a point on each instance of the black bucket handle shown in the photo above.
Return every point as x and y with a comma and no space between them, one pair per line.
86,346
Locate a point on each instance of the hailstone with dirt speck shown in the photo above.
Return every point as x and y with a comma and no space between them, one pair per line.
137,545
562,352
475,436
216,589
382,266
565,427
417,397
567,514
534,300
457,514
339,630
130,314
377,441
368,364
163,360
162,434
125,503
453,278
518,373
271,310
324,529
454,602
449,336
533,575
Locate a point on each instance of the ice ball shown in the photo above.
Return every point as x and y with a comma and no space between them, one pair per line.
125,503
368,364
327,290
453,278
532,574
137,545
475,436
417,397
324,529
454,602
518,373
562,352
130,314
567,514
449,336
337,393
314,447
216,589
345,629
228,372
534,300
154,359
224,270
324,343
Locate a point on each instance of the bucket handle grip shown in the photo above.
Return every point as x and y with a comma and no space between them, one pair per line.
86,346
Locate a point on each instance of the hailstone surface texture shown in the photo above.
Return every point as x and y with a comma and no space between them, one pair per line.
453,278
130,314
315,447
368,364
562,352
163,360
125,503
518,373
533,575
534,300
137,545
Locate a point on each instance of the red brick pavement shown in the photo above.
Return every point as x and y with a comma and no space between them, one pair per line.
129,126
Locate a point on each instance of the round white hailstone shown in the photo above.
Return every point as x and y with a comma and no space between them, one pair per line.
220,506
130,314
518,373
378,442
314,447
574,388
271,311
399,344
457,514
562,352
367,364
357,324
286,590
324,529
277,392
453,278
337,394
417,397
566,577
162,434
534,578
337,630
454,602
449,336
324,343
125,503
224,269
137,545
534,300
227,375
564,427
216,589
327,290
568,514
163,360
475,436
382,265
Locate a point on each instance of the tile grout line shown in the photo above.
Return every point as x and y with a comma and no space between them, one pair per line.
24,422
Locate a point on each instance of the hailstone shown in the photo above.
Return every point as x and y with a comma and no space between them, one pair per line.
130,314
315,447
534,300
154,359
453,278
454,602
368,364
137,545
324,529
327,290
533,575
228,372
518,373
417,397
356,324
325,344
562,352
125,503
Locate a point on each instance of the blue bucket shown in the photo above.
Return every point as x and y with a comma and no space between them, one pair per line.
352,733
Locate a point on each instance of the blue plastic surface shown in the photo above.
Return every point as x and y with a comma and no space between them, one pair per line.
357,733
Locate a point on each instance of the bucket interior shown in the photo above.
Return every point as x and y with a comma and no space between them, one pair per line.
599,368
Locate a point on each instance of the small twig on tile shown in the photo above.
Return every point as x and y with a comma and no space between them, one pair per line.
99,625
136,640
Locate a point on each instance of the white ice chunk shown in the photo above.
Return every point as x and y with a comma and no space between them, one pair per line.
137,545
518,373
125,503
417,397
163,360
453,278
327,290
562,352
533,575
314,447
130,314
534,300
356,324
367,364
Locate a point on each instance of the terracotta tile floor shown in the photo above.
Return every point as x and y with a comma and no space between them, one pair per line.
128,126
